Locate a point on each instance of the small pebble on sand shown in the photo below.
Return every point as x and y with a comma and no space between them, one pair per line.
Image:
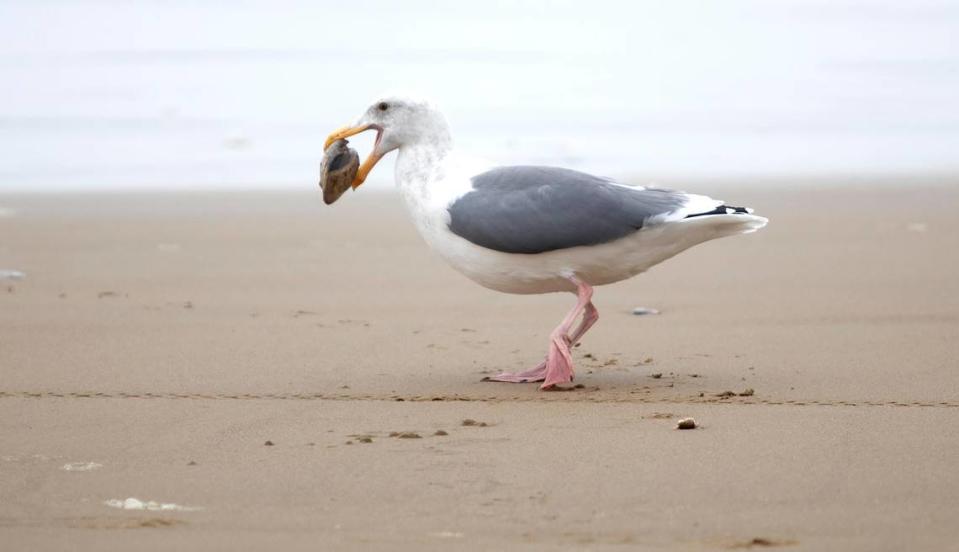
644,311
268,444
440,433
469,422
686,423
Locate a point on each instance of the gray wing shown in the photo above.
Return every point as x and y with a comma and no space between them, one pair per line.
529,209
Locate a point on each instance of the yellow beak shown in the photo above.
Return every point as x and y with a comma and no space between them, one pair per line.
367,165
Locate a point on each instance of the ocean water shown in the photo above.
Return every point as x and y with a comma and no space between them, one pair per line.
169,94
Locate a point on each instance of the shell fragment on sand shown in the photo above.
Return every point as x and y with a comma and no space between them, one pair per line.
11,274
337,170
137,504
81,466
643,311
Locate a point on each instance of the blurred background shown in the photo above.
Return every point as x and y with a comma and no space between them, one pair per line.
186,94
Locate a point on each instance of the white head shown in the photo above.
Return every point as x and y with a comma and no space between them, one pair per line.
399,122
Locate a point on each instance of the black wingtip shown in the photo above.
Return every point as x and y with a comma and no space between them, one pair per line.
724,210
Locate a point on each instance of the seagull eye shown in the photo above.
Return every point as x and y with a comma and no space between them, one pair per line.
383,106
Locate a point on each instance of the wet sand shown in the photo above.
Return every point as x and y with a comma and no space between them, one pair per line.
168,337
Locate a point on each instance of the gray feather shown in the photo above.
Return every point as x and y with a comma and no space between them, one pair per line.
528,209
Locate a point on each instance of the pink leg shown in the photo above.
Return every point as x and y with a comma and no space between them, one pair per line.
558,366
590,316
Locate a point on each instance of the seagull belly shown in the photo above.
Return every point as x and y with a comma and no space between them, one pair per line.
600,264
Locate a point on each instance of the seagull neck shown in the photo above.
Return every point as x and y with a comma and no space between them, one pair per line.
419,164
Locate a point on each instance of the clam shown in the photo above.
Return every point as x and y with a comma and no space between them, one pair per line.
337,170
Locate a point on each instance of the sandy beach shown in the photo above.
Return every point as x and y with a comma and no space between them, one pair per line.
276,371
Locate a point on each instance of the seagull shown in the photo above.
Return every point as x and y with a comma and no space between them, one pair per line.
534,229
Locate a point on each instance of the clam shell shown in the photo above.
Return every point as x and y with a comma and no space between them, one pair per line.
337,170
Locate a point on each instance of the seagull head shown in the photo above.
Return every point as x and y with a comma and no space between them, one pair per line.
399,121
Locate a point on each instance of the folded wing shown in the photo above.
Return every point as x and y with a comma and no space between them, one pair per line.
530,209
